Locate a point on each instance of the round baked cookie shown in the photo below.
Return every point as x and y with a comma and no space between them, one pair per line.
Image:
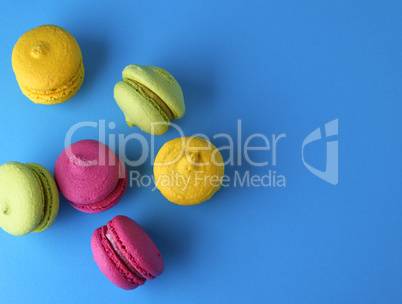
125,253
29,198
47,63
150,97
188,170
90,176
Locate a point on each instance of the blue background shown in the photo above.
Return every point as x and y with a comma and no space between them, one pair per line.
281,67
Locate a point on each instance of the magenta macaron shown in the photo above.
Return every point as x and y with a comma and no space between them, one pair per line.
90,176
125,253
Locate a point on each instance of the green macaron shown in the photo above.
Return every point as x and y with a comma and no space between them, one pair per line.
29,199
149,97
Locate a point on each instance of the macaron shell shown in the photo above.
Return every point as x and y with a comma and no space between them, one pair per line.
51,196
110,264
140,110
58,95
193,159
136,246
21,199
108,202
161,82
46,57
87,172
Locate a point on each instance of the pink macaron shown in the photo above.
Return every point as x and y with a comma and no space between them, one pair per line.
90,176
125,253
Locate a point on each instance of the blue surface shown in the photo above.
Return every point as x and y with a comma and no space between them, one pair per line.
280,67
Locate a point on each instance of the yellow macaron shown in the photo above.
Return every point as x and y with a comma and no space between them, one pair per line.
47,63
188,170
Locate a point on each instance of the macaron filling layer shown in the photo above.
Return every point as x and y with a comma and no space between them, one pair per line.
121,256
151,95
49,200
131,277
128,257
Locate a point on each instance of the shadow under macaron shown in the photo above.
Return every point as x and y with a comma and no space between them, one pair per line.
66,211
198,94
173,238
94,56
